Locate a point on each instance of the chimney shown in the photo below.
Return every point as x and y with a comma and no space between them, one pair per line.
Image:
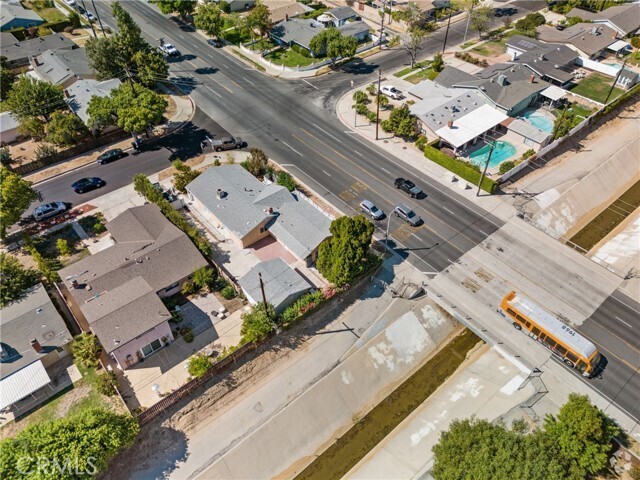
74,283
532,79
220,193
66,94
286,17
35,344
450,124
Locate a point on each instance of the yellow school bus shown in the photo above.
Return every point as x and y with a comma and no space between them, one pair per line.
575,350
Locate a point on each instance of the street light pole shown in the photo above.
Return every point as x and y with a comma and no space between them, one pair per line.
446,33
386,236
468,21
99,19
90,22
486,165
378,103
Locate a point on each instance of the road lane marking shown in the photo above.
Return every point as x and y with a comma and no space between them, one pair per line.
326,133
416,236
445,208
225,66
309,83
216,93
628,306
618,318
385,170
287,145
358,153
249,81
326,173
483,232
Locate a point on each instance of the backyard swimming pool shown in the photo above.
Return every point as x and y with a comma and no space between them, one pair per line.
538,120
503,151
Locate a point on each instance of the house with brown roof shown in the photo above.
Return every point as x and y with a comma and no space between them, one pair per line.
119,289
287,11
587,39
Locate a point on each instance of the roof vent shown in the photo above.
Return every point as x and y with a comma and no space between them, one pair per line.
38,310
502,80
220,194
556,66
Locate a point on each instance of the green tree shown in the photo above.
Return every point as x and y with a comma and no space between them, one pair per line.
6,79
582,436
256,324
204,277
181,7
63,247
332,43
209,19
86,349
437,64
413,44
103,57
83,443
286,180
382,100
198,365
257,162
259,19
400,122
481,19
224,6
107,383
16,194
150,67
360,97
136,112
101,112
65,129
33,127
184,175
128,40
74,19
5,157
30,97
530,22
412,14
15,279
343,256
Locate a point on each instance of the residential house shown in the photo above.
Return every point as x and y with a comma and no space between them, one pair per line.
624,19
18,53
287,11
553,63
588,40
63,67
34,339
14,15
282,284
236,5
300,31
231,201
336,17
119,289
8,128
80,93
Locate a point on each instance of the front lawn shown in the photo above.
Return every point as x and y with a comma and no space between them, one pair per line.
596,87
424,74
634,58
408,70
236,36
289,58
48,14
491,48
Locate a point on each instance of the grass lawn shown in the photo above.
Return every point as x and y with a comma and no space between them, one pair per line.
578,109
236,36
424,74
634,58
491,48
289,58
262,45
48,14
596,87
468,44
408,70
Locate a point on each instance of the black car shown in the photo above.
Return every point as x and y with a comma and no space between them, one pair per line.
87,184
409,187
110,156
214,42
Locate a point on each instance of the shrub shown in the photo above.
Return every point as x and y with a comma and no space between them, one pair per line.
187,334
361,108
421,142
300,50
228,292
198,365
204,277
302,306
460,168
45,150
506,166
106,383
85,349
635,41
360,97
224,6
372,89
287,181
99,227
188,288
62,245
257,324
437,64
371,116
528,153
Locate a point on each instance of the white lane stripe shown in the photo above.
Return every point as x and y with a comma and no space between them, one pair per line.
484,233
445,208
326,133
358,153
309,83
224,66
249,81
287,145
618,318
416,236
628,306
207,86
326,173
385,170
449,260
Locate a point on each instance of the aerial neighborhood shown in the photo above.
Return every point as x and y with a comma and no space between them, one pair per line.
320,238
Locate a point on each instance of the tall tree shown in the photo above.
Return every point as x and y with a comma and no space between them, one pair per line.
15,279
150,67
102,112
16,194
65,129
412,15
181,7
481,18
6,78
257,324
136,112
30,97
332,43
129,37
209,19
260,19
103,55
413,44
342,257
5,157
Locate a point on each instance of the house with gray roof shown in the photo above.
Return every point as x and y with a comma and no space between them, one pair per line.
287,11
119,289
34,338
300,31
80,93
18,53
62,67
8,128
14,15
624,19
339,16
554,63
237,205
587,39
282,284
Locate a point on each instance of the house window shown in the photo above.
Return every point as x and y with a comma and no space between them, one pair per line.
172,286
150,348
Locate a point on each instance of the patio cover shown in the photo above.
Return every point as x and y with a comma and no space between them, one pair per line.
23,382
617,45
471,126
554,93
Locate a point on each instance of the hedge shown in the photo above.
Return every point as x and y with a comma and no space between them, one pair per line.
460,168
22,33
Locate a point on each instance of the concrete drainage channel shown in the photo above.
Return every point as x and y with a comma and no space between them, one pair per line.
354,445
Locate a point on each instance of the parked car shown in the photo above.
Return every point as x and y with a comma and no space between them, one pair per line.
226,143
407,215
90,16
49,210
391,91
169,50
214,42
80,9
87,184
70,3
370,209
409,187
110,156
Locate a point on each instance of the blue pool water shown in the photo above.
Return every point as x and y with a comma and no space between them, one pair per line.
614,65
503,151
538,120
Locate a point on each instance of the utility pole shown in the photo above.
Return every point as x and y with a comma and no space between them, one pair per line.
386,236
384,7
90,22
446,33
486,165
130,77
378,103
99,19
473,2
615,81
264,296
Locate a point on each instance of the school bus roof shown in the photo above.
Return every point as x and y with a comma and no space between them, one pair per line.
566,334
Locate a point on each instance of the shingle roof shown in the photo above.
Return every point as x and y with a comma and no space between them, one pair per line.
12,11
552,60
586,37
291,10
82,91
296,224
342,13
451,76
625,17
353,29
32,317
302,30
20,52
280,282
59,67
8,122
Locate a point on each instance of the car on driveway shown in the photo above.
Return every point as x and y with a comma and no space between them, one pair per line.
87,184
391,91
49,210
370,209
169,50
408,215
214,42
409,187
110,156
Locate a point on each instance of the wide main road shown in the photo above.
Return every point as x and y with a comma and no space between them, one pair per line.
288,120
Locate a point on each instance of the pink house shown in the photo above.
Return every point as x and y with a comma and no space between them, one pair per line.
119,289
